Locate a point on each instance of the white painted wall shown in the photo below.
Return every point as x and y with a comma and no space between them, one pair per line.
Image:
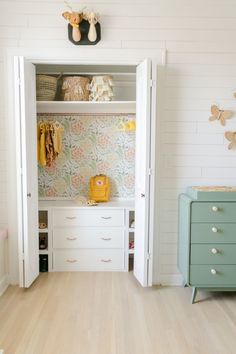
201,69
3,261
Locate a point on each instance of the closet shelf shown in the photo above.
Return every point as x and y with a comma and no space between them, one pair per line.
43,231
86,107
43,251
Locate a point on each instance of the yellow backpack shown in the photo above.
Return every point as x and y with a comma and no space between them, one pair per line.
99,188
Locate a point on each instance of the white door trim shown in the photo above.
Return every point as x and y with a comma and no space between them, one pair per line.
43,56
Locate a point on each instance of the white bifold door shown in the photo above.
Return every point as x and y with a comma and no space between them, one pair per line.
27,173
144,172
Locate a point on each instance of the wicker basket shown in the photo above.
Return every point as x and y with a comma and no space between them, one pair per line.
46,87
75,88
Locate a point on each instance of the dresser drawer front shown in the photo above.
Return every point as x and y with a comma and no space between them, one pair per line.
80,217
90,237
201,275
213,233
213,254
88,260
213,212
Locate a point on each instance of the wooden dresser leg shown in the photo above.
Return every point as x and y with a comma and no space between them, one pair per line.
194,293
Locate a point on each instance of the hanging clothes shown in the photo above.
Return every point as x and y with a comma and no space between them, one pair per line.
49,145
41,144
49,141
57,137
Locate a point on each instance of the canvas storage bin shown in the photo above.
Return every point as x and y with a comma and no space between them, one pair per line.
46,87
75,88
101,88
99,188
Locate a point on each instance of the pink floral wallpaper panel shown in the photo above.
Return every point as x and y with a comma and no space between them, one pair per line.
91,145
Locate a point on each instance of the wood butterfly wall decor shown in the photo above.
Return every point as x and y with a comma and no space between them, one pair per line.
220,114
231,137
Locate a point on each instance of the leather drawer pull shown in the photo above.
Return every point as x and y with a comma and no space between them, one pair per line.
71,238
106,217
106,260
106,238
71,217
71,260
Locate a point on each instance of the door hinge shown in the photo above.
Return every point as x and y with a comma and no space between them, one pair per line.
150,171
149,256
151,83
19,81
22,256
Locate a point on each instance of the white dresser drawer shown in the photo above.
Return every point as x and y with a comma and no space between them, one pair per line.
88,260
89,237
85,217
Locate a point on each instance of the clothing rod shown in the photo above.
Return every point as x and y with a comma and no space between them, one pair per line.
86,114
83,73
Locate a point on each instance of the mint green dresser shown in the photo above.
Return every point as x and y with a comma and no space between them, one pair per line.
207,238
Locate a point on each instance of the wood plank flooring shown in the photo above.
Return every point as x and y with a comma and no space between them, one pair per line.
109,313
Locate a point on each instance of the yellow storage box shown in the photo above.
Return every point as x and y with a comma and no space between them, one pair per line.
99,188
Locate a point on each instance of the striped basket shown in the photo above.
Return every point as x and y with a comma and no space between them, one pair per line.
46,87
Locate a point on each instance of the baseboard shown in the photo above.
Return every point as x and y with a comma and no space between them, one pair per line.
3,285
170,280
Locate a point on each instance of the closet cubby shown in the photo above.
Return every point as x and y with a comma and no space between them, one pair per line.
131,220
43,263
43,221
131,242
44,240
131,231
130,238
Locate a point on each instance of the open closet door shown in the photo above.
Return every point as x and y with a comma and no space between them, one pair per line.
27,174
143,239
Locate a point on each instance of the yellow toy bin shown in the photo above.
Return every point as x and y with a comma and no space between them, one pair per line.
99,188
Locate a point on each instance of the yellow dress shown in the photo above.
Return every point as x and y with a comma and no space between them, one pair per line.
41,144
57,137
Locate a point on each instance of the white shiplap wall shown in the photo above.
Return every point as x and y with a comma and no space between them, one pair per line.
201,69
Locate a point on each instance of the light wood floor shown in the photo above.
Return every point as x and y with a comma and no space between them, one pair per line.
109,313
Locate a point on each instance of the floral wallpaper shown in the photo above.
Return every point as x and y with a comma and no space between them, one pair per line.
91,145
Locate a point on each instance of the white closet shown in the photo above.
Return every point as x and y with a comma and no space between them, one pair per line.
81,237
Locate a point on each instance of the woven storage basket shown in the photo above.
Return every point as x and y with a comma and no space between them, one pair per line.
46,87
75,88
